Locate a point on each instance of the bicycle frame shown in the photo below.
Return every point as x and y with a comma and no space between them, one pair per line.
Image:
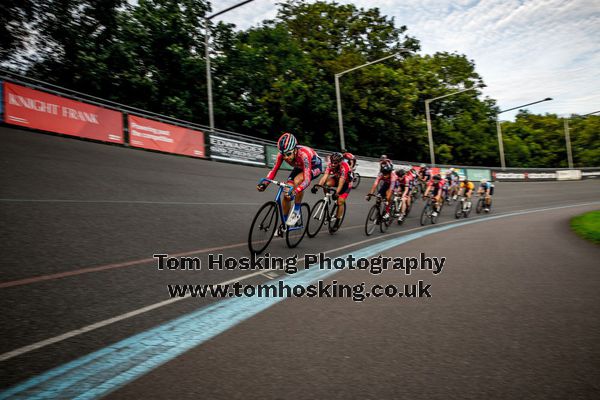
283,186
327,204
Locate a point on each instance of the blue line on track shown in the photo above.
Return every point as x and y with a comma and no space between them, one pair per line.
107,369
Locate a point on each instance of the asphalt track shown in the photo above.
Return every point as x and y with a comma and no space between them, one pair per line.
514,314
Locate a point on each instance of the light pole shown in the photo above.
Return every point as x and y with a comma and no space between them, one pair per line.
211,117
429,133
338,97
499,129
568,139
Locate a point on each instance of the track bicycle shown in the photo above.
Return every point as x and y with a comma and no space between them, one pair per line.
266,222
325,210
463,207
481,204
428,209
355,179
375,216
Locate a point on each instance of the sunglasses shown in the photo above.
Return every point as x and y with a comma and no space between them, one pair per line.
289,153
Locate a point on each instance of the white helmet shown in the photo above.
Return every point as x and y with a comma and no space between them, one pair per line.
484,180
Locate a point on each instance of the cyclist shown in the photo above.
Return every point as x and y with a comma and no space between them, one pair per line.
403,188
385,190
337,175
307,166
383,160
351,160
424,173
436,188
466,189
453,179
488,189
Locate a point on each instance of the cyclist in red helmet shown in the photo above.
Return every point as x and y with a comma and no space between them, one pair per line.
307,166
337,175
351,160
388,183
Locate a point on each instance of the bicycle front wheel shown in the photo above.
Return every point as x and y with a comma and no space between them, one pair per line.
295,234
425,214
263,227
372,220
317,217
333,227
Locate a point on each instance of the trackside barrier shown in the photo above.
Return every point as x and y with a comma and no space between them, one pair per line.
590,174
38,110
29,103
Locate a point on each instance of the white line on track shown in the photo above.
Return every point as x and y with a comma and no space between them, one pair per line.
100,324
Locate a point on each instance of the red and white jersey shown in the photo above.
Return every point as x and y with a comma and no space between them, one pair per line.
390,179
439,185
305,158
342,171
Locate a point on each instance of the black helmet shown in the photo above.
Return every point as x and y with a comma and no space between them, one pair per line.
400,172
386,169
437,177
336,157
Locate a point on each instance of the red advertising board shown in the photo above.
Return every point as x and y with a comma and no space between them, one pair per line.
38,110
154,135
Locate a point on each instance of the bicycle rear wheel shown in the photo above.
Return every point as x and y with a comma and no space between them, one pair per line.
317,218
479,207
263,227
372,220
384,224
356,180
295,234
458,212
333,228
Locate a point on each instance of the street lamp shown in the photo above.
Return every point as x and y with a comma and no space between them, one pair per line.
499,129
429,133
568,139
338,97
211,117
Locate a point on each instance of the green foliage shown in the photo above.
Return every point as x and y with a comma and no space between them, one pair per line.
279,76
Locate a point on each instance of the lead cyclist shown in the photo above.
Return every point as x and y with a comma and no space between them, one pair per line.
307,166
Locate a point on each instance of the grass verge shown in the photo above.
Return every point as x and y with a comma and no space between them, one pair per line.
587,226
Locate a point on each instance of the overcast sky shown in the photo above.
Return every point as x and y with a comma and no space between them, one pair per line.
524,50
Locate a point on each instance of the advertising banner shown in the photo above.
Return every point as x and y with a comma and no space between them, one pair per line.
590,174
38,110
478,174
1,102
541,176
509,176
154,135
571,174
272,153
236,151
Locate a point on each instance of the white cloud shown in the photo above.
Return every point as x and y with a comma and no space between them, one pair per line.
525,50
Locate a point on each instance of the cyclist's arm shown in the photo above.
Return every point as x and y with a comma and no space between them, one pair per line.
272,173
375,184
324,178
